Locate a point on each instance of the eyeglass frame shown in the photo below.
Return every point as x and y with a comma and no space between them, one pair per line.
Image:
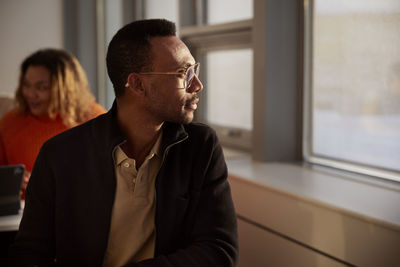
196,66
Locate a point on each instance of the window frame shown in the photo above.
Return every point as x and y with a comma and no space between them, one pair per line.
228,36
308,155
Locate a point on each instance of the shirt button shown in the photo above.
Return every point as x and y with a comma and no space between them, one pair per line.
126,164
134,180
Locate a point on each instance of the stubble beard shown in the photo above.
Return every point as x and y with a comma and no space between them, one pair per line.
186,117
188,114
167,112
171,114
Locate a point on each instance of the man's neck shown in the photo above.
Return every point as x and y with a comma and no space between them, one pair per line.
141,134
139,150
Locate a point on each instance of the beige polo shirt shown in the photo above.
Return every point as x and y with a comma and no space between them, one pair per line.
132,233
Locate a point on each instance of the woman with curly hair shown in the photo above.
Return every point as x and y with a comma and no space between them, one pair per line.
52,96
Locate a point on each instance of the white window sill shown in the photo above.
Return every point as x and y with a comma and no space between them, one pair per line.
312,213
368,198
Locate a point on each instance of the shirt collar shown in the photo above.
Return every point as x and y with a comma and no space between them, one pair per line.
156,149
119,155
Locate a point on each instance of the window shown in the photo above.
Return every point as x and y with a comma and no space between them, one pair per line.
221,40
223,11
166,9
353,86
228,95
229,83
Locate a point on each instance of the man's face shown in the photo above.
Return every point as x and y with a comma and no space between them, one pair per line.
167,99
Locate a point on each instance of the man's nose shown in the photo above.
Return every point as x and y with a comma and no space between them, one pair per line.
196,85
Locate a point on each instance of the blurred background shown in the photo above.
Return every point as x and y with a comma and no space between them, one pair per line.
313,82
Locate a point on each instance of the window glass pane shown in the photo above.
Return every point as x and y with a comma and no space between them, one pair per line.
222,11
356,81
229,88
166,9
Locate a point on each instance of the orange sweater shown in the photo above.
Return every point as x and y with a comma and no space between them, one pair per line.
22,135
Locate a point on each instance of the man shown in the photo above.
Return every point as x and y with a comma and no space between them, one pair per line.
140,185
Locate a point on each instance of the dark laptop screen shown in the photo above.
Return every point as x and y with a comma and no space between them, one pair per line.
10,185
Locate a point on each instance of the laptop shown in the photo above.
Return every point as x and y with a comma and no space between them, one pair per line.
10,185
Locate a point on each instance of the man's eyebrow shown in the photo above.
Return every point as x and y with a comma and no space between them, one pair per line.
186,65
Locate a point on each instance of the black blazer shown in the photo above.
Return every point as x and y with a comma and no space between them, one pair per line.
70,196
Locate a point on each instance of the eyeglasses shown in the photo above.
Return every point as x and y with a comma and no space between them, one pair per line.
187,76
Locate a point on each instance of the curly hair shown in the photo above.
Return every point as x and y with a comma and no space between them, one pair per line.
130,49
70,95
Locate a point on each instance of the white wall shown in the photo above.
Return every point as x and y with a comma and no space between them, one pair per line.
26,26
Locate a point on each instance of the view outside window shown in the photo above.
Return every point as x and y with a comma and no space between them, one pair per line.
356,81
229,88
223,11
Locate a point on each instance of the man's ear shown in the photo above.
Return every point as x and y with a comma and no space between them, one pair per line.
135,84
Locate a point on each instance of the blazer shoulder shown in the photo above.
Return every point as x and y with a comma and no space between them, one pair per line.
75,135
199,127
201,131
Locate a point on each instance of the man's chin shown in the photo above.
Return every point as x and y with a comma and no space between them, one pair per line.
187,121
185,118
188,117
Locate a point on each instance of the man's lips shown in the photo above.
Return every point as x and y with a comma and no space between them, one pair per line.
192,104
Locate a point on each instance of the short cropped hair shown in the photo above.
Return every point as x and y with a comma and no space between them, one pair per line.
70,95
130,49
